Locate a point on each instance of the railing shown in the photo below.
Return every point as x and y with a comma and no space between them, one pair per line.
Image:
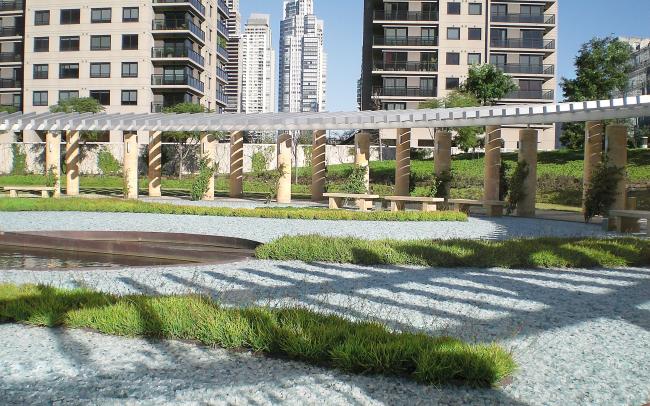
223,52
405,15
531,94
178,24
523,18
195,3
10,83
404,92
222,4
221,26
11,57
406,41
222,74
10,31
11,5
177,80
157,107
526,68
406,66
173,52
523,43
221,96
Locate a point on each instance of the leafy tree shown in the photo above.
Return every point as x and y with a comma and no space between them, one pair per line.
467,137
7,109
488,84
184,141
77,105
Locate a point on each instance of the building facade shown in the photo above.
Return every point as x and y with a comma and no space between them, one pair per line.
303,62
232,66
415,51
257,66
12,30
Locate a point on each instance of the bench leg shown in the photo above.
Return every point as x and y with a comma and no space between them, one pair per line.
464,208
427,207
45,194
335,202
364,205
494,211
13,193
393,206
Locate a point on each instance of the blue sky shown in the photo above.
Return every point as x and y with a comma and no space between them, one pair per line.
579,20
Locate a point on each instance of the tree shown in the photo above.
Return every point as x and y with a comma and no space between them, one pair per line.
602,69
7,109
77,105
185,141
467,137
488,84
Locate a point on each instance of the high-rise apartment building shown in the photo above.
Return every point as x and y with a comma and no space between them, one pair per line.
303,63
232,66
257,66
415,51
639,78
12,30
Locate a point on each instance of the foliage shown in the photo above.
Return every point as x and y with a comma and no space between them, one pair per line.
19,160
51,177
356,181
260,160
185,141
108,165
515,253
441,185
201,182
77,105
309,152
271,181
8,109
504,187
601,190
516,186
126,187
488,84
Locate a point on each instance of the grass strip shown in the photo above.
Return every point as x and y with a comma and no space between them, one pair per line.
518,253
134,206
324,340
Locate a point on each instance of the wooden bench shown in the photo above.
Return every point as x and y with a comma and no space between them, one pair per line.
13,190
494,208
398,203
363,202
628,220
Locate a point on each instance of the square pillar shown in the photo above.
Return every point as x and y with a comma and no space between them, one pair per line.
72,163
155,164
319,165
492,171
130,165
403,162
53,158
236,188
442,155
617,157
209,152
594,132
284,162
362,155
528,153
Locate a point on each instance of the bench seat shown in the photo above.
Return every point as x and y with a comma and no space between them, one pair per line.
13,190
494,208
398,203
364,202
628,220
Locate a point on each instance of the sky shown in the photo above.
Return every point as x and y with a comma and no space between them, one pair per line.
579,21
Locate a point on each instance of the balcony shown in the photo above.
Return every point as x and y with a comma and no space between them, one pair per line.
222,74
222,98
196,4
523,43
526,69
10,83
11,56
179,25
524,18
222,27
177,80
406,66
381,15
222,52
174,52
223,6
406,41
531,95
10,31
11,5
403,92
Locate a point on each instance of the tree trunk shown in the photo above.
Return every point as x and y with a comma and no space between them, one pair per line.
180,161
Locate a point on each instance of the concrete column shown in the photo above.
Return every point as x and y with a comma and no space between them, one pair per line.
53,158
403,162
528,154
236,189
617,157
130,165
492,171
72,163
284,162
155,164
362,155
319,165
442,153
209,152
594,131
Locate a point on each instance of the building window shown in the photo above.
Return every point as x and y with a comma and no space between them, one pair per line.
41,71
394,106
453,33
100,70
102,96
100,42
129,97
41,44
68,94
70,16
453,8
130,41
130,14
473,59
69,44
40,99
42,17
100,15
475,34
452,83
453,58
129,69
475,9
69,71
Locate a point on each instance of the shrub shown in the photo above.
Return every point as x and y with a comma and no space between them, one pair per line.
201,182
601,191
19,159
271,182
51,177
443,184
516,186
356,182
107,164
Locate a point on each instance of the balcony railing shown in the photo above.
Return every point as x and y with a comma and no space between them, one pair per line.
404,92
527,68
405,15
11,5
222,74
177,80
523,43
10,83
174,52
531,94
178,24
221,26
222,52
523,18
223,6
406,41
221,97
11,57
195,3
406,66
10,31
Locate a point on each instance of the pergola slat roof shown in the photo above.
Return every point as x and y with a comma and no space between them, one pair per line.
524,115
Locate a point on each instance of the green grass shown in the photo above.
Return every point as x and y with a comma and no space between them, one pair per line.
323,340
522,253
134,206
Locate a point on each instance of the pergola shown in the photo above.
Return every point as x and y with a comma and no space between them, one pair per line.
492,117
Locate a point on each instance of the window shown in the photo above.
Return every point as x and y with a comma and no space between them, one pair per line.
68,71
473,59
69,44
394,106
102,96
130,14
41,44
129,69
100,15
68,94
100,70
41,71
130,41
453,58
100,42
452,83
475,9
40,99
475,34
42,17
129,97
453,33
453,8
70,16
498,59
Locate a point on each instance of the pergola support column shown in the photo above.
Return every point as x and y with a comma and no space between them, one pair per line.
236,189
403,162
130,165
155,164
319,165
528,153
72,163
53,158
594,131
442,155
617,157
362,155
492,171
209,152
284,164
